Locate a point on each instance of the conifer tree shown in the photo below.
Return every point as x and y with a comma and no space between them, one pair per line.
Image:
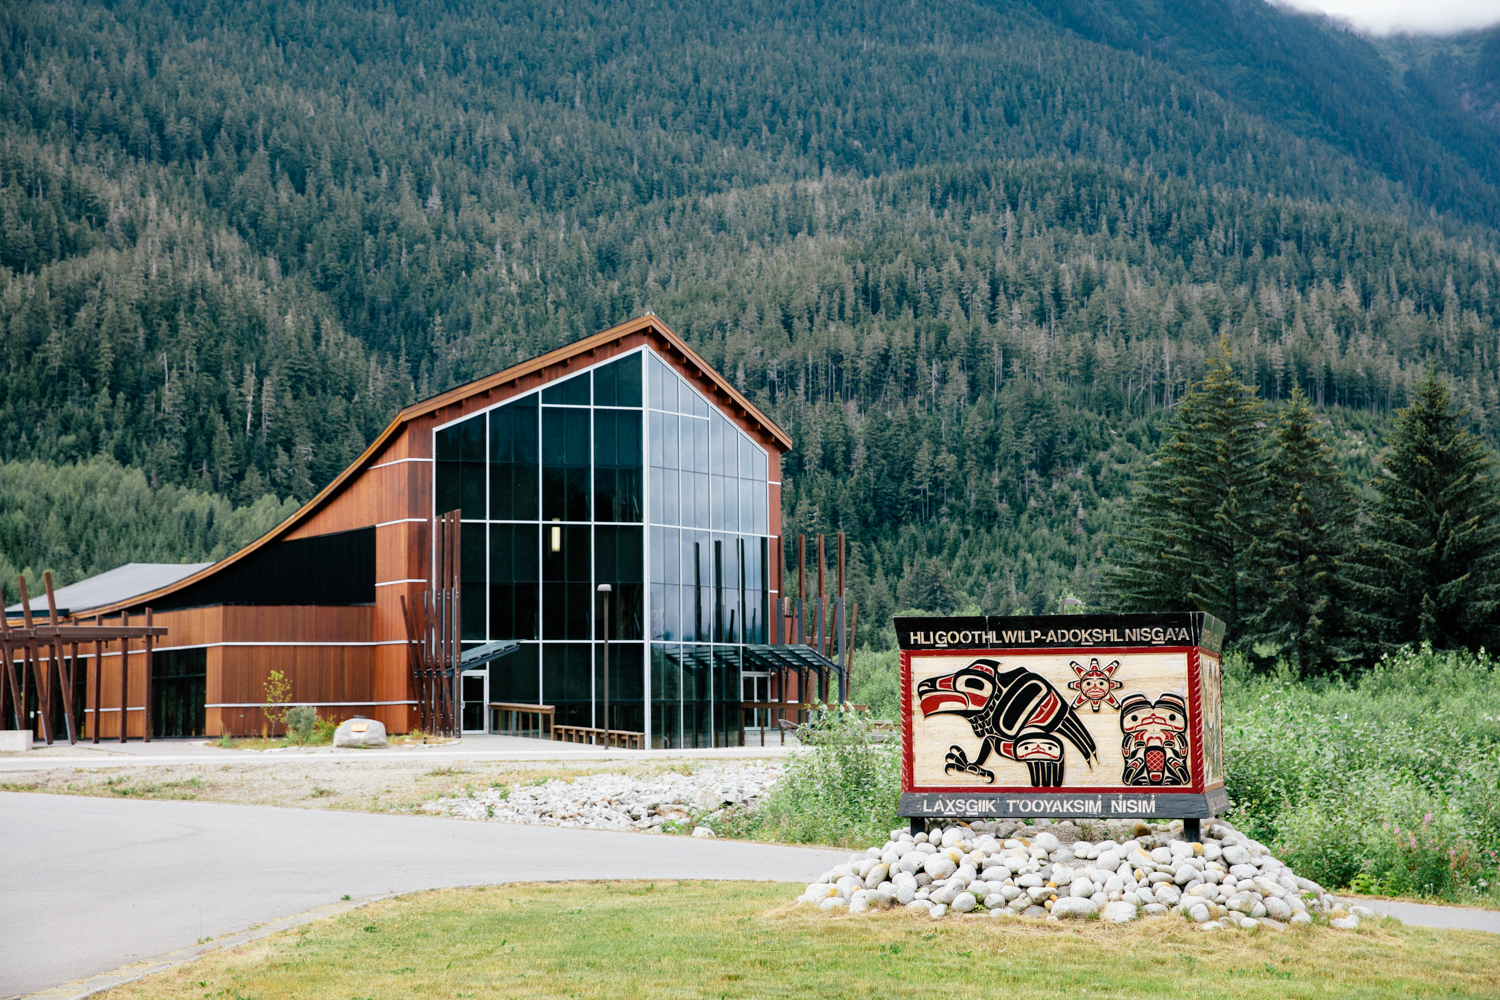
1304,539
1429,565
1189,537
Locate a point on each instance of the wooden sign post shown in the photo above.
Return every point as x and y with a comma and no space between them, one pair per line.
1062,716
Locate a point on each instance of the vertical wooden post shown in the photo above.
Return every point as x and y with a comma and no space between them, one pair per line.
839,636
99,648
64,676
853,624
124,677
17,706
455,646
33,662
146,717
801,589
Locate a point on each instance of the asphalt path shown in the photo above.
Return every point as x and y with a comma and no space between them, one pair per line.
93,884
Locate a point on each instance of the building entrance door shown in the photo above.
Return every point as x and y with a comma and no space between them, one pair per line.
476,693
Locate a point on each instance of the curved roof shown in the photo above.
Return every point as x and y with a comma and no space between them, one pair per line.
117,585
671,346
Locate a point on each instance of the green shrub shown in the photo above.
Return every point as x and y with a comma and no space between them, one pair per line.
842,789
300,721
1328,772
322,732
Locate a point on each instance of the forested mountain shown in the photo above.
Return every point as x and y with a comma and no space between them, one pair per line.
967,253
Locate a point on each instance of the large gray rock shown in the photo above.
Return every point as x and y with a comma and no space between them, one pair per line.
1073,906
359,733
1120,912
1236,855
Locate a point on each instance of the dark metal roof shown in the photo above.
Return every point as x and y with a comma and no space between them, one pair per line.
119,584
480,655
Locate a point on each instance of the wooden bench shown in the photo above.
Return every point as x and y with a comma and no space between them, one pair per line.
514,711
622,738
780,721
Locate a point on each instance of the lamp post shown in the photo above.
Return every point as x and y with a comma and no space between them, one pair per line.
604,592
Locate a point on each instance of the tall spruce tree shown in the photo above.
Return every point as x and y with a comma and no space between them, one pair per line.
1304,539
1428,568
1189,538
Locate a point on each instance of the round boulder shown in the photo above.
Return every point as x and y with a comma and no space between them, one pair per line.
360,732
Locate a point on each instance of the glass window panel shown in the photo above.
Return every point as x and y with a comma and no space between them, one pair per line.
471,439
472,556
669,494
571,391
669,391
567,683
513,610
619,382
759,497
716,502
658,613
514,594
653,437
700,499
655,373
617,465
758,462
447,444
567,584
731,504
700,446
606,439
515,677
747,504
472,599
670,559
627,685
656,496
672,610
669,457
472,503
716,434
746,449
565,472
618,554
655,537
666,709
513,461
450,486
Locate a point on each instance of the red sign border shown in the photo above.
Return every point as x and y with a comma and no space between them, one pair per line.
1195,708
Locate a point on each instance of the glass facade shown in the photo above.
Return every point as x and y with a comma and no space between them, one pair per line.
626,475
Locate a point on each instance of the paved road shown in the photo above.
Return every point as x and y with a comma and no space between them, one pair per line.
1464,918
93,884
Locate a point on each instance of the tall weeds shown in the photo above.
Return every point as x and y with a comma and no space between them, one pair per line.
1387,784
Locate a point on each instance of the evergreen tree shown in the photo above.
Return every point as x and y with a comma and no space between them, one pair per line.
1190,526
1429,565
1304,540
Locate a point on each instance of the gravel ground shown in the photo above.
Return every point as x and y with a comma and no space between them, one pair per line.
651,803
398,786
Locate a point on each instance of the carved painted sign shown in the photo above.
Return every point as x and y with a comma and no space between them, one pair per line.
1067,715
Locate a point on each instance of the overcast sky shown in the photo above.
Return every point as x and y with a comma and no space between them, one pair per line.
1428,17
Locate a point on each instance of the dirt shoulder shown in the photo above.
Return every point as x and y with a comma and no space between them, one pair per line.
382,786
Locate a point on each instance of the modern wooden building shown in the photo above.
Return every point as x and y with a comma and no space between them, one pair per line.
623,458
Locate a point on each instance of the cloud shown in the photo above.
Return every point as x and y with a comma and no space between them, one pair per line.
1385,17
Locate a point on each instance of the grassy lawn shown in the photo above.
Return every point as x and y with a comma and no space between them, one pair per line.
726,940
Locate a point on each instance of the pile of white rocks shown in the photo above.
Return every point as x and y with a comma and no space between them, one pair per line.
618,801
1226,880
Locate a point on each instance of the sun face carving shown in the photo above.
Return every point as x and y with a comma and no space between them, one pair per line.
1095,685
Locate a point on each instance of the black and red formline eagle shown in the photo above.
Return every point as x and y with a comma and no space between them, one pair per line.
1015,713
